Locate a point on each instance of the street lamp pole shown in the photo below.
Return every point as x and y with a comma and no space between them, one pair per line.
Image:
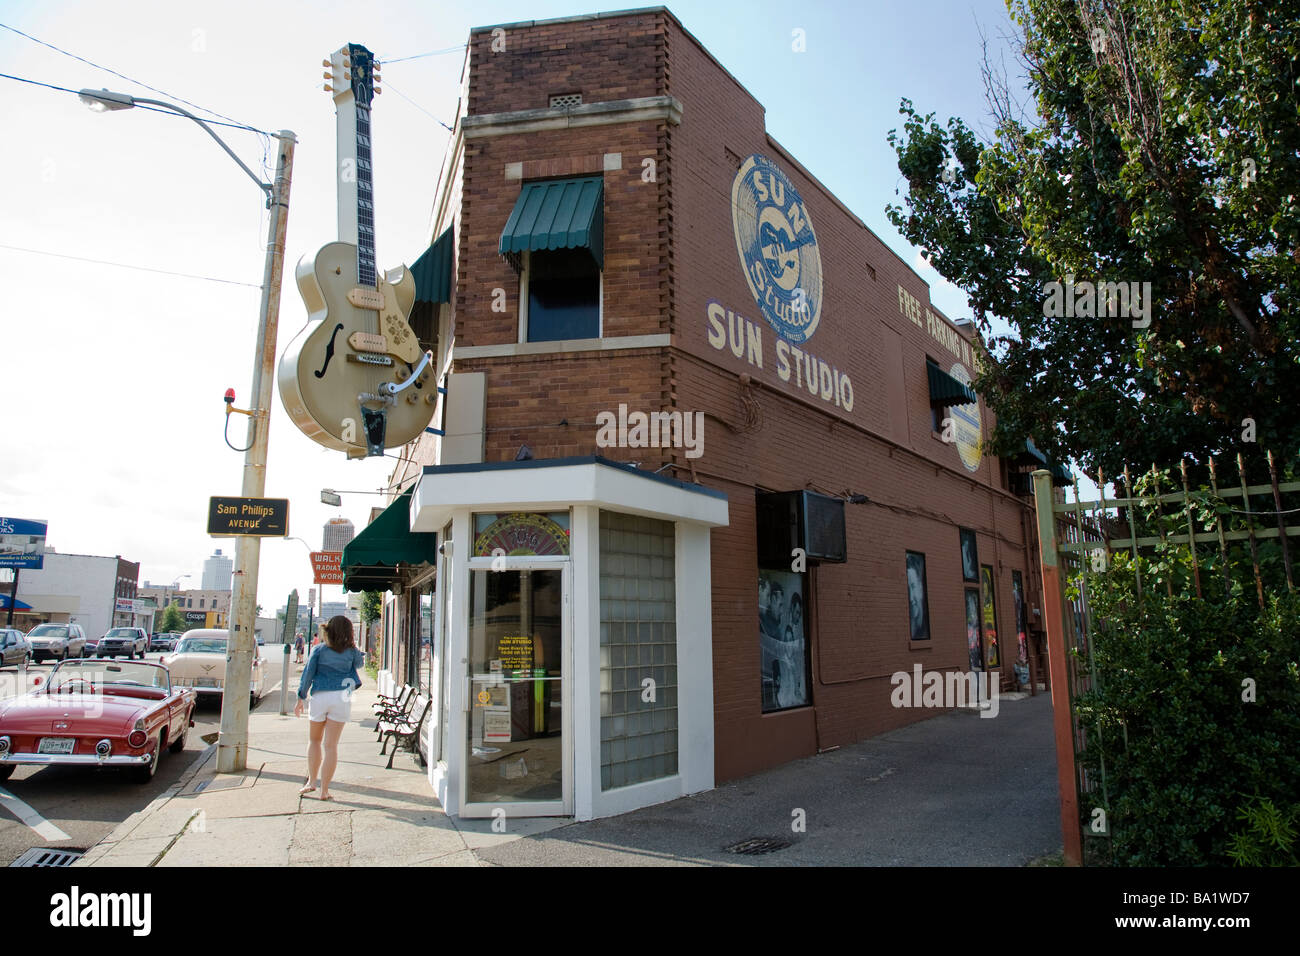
232,745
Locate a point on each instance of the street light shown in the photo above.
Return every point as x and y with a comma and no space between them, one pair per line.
232,745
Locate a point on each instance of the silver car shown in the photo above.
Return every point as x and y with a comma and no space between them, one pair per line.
14,648
57,641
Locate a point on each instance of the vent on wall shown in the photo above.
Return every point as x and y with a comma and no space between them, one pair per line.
566,101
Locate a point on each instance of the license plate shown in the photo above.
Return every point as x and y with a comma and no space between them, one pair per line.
205,682
56,745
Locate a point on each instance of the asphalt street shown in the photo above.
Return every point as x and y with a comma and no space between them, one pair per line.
71,808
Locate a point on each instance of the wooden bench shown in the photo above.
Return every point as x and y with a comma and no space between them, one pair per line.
405,731
389,700
398,709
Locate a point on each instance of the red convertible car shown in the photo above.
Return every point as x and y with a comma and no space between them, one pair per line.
97,713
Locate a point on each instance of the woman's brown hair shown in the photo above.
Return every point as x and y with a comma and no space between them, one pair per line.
338,633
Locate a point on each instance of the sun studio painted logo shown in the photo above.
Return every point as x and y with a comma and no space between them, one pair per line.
966,419
778,249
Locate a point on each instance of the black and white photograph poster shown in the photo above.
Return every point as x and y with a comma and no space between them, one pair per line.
781,633
918,607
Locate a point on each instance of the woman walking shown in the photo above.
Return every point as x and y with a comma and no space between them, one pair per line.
329,677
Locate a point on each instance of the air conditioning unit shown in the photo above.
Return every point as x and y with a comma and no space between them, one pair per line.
800,519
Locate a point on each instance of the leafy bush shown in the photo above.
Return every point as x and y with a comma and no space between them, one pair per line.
1188,754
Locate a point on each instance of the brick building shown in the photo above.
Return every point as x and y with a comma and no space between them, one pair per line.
617,236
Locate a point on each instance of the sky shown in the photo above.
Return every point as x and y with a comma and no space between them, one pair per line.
114,376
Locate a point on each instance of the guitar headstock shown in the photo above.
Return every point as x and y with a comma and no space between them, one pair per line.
352,70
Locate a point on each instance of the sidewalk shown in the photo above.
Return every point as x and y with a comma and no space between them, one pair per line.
377,817
954,790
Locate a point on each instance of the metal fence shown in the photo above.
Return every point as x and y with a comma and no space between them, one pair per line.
1213,523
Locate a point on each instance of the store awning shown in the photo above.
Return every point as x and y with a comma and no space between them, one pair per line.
20,606
946,391
432,271
1061,476
370,559
557,214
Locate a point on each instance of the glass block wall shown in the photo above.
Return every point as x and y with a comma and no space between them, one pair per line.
638,640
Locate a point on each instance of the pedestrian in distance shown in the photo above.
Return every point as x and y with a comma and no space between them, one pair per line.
329,679
297,648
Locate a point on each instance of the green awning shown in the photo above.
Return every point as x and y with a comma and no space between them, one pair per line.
370,559
432,271
946,391
557,214
1061,476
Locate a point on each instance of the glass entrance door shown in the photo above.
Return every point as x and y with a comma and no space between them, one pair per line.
517,746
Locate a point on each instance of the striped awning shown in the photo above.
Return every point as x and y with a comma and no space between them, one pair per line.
432,271
946,391
557,214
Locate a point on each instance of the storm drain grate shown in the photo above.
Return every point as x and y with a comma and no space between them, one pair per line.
756,846
41,856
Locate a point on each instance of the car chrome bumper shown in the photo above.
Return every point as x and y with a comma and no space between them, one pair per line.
76,760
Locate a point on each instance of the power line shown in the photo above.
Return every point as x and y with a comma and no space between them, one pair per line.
125,265
138,106
390,86
123,76
419,56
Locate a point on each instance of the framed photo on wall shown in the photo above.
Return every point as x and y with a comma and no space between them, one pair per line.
990,617
969,556
918,603
783,648
974,642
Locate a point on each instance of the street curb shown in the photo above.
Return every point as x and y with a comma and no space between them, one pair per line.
128,826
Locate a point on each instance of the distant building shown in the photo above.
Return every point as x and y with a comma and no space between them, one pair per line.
207,607
217,572
338,532
97,592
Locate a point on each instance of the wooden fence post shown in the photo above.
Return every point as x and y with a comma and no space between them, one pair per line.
1062,712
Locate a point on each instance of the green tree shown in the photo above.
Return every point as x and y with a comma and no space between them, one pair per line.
1162,146
172,620
372,606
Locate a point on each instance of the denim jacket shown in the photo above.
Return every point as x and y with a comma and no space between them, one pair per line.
328,669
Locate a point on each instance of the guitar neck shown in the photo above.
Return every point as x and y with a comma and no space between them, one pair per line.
365,202
356,201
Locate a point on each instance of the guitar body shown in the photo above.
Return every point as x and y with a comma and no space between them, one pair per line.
345,352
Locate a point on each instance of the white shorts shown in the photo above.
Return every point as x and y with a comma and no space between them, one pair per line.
330,705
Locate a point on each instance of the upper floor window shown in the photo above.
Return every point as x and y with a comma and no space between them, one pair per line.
560,290
555,239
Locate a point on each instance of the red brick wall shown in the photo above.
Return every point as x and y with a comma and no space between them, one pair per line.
773,436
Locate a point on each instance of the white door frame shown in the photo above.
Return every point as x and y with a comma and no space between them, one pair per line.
540,808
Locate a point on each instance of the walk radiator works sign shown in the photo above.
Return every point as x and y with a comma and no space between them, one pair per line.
327,567
261,517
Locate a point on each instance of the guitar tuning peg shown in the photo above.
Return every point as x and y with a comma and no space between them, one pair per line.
326,62
378,91
328,88
347,61
328,75
347,74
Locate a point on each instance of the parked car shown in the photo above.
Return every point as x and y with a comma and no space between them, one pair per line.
129,641
92,713
200,662
164,641
57,641
14,648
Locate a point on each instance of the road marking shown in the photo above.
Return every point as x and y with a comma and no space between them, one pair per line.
28,815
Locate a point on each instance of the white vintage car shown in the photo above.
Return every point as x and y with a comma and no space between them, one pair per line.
199,661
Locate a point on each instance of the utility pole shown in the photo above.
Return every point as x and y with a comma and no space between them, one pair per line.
232,745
